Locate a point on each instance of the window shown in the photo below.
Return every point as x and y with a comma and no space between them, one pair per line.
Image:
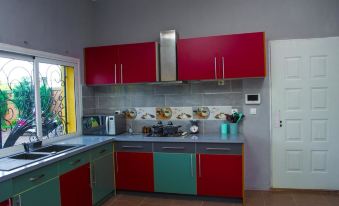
37,99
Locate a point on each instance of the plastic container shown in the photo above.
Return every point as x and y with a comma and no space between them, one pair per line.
233,128
223,129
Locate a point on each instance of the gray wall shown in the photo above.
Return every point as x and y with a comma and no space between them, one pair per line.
124,21
58,26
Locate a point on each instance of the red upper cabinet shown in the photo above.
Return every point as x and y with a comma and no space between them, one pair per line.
243,55
100,65
119,64
219,175
198,58
134,171
138,63
219,57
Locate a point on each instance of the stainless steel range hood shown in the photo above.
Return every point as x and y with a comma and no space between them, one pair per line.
168,57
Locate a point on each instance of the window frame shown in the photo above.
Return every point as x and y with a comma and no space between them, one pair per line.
37,57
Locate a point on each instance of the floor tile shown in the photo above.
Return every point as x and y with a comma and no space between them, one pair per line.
310,199
278,199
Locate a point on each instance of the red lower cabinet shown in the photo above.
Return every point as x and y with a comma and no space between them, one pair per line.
75,187
219,175
134,171
5,203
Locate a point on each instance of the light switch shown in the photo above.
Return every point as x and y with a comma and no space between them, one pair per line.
253,111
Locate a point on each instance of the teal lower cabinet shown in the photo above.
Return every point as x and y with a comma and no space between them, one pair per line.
6,190
47,193
102,177
175,173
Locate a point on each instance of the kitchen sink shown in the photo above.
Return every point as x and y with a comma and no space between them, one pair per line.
56,148
28,156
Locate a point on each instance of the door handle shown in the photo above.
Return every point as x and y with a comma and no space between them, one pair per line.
132,147
218,149
173,148
33,179
199,166
192,165
115,73
75,162
116,162
121,75
215,67
223,67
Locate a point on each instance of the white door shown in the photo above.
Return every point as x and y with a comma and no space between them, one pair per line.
305,98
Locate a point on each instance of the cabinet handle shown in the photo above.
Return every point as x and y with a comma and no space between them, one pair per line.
132,147
223,67
116,162
215,67
19,200
93,176
115,73
192,165
121,75
103,151
218,149
199,166
32,179
75,162
174,148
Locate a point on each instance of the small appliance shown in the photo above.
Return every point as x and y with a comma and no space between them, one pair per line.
104,124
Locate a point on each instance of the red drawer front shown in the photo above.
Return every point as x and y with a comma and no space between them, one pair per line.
5,203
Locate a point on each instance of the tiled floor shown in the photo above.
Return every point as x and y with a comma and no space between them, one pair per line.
253,198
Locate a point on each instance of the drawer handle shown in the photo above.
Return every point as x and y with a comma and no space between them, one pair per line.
33,179
103,151
218,149
174,148
133,147
75,162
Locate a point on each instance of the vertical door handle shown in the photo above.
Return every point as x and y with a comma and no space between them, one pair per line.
223,67
115,73
116,162
19,202
215,67
93,177
121,75
199,166
192,165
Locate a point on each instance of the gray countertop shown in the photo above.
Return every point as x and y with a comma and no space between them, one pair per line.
90,142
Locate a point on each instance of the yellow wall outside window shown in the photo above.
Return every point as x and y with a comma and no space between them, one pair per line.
69,101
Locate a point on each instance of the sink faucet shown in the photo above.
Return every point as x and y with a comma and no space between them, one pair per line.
26,147
33,145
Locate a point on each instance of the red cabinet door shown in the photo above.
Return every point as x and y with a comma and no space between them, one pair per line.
138,62
101,65
75,187
219,175
5,203
134,171
243,55
198,58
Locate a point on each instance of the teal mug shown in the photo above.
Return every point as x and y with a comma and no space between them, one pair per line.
223,129
233,128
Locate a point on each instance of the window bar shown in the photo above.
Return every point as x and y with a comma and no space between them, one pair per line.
37,99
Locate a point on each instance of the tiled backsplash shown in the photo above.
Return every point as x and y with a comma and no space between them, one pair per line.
107,99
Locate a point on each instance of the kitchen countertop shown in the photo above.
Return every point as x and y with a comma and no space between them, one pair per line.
90,142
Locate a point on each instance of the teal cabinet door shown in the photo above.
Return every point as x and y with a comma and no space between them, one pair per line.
47,193
175,173
102,178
